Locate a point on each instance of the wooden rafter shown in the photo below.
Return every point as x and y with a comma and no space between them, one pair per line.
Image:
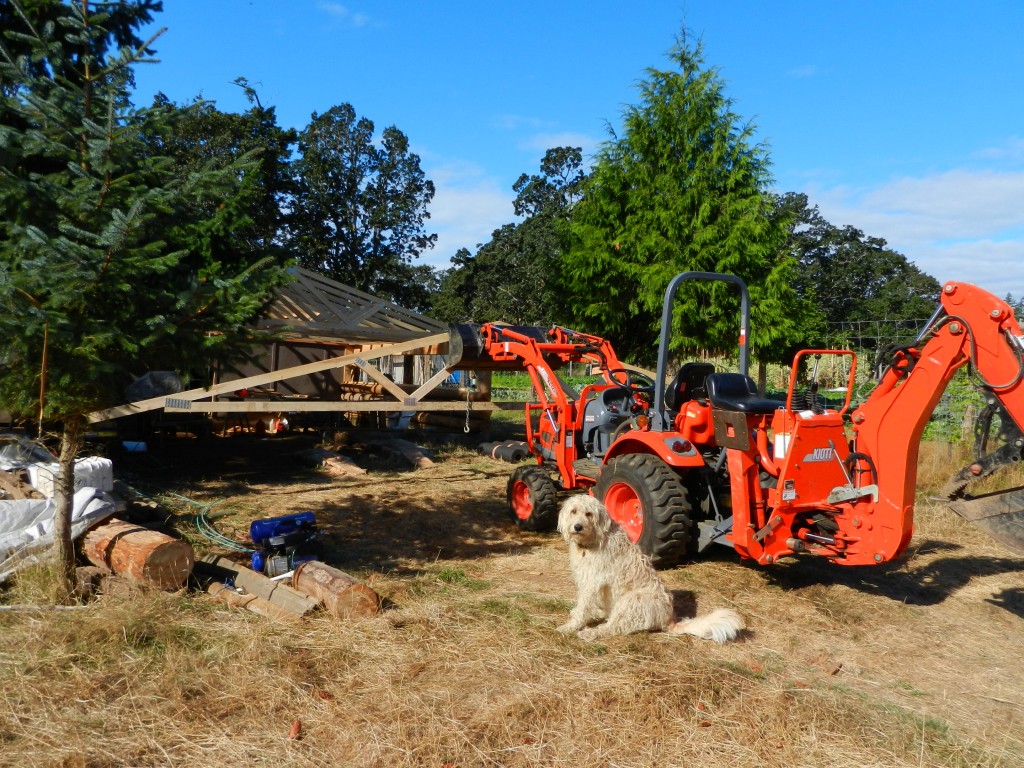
153,403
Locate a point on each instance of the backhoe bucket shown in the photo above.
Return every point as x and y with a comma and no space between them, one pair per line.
999,514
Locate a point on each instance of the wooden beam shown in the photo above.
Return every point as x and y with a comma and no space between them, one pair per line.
316,406
335,406
153,403
429,385
395,390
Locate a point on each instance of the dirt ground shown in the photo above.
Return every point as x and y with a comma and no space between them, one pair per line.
931,645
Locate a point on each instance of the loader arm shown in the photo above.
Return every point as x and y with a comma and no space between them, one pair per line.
557,409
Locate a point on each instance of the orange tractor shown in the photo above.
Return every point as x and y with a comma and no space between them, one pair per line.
705,459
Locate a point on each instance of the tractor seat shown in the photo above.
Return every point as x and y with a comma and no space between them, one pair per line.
736,392
688,384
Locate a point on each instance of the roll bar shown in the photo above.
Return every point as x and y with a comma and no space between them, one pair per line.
660,422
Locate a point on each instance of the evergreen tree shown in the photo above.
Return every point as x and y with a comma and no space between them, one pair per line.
681,188
108,258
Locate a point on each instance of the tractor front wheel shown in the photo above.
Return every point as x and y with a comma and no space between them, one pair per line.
650,503
532,499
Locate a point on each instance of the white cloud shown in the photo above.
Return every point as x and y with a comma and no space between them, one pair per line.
1012,151
467,207
343,13
805,71
961,224
542,142
509,122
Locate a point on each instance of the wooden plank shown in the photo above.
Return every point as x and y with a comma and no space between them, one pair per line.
430,384
317,406
266,378
396,391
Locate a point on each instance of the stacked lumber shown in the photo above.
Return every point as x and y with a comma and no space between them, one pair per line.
16,486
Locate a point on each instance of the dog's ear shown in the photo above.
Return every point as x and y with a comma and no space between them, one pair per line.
605,522
564,513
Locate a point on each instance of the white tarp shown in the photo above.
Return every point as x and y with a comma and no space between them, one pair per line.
26,525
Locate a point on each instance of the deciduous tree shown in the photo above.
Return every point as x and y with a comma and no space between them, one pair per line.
360,210
202,134
512,277
852,276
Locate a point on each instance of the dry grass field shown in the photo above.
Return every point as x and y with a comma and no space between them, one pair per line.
916,663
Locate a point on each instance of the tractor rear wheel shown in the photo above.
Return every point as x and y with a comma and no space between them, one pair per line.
650,503
532,499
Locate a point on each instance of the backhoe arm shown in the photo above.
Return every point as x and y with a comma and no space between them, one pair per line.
973,326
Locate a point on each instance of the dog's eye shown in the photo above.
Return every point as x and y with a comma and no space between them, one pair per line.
588,514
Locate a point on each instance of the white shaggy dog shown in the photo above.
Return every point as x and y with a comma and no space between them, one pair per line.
618,592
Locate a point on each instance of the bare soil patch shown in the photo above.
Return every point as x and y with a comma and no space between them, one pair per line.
913,663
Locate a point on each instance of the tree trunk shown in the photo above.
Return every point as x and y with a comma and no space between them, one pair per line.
762,378
64,497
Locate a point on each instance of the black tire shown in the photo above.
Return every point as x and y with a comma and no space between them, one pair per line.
650,503
532,499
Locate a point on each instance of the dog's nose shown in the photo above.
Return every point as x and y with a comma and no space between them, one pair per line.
578,528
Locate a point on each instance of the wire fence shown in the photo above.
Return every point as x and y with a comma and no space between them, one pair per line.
954,415
952,420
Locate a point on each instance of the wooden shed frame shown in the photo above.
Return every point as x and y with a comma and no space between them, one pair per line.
363,328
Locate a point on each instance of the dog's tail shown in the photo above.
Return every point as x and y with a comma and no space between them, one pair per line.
721,625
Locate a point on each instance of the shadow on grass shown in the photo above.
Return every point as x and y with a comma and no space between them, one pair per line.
907,580
394,519
1011,599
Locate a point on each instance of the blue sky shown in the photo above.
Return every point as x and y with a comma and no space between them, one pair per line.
902,118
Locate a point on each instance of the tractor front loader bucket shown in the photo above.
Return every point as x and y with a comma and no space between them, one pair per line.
999,514
467,348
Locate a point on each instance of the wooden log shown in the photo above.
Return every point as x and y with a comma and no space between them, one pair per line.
254,603
412,452
342,595
477,419
139,554
276,592
332,463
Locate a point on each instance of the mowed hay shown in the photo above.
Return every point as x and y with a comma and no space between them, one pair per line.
909,664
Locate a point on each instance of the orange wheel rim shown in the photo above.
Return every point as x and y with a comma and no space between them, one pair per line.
522,500
626,509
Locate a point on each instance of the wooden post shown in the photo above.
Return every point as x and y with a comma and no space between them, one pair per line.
253,583
483,393
254,603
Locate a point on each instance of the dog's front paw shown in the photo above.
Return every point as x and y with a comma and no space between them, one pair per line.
590,634
567,629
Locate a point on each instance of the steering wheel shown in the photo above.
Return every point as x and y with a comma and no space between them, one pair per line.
634,381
